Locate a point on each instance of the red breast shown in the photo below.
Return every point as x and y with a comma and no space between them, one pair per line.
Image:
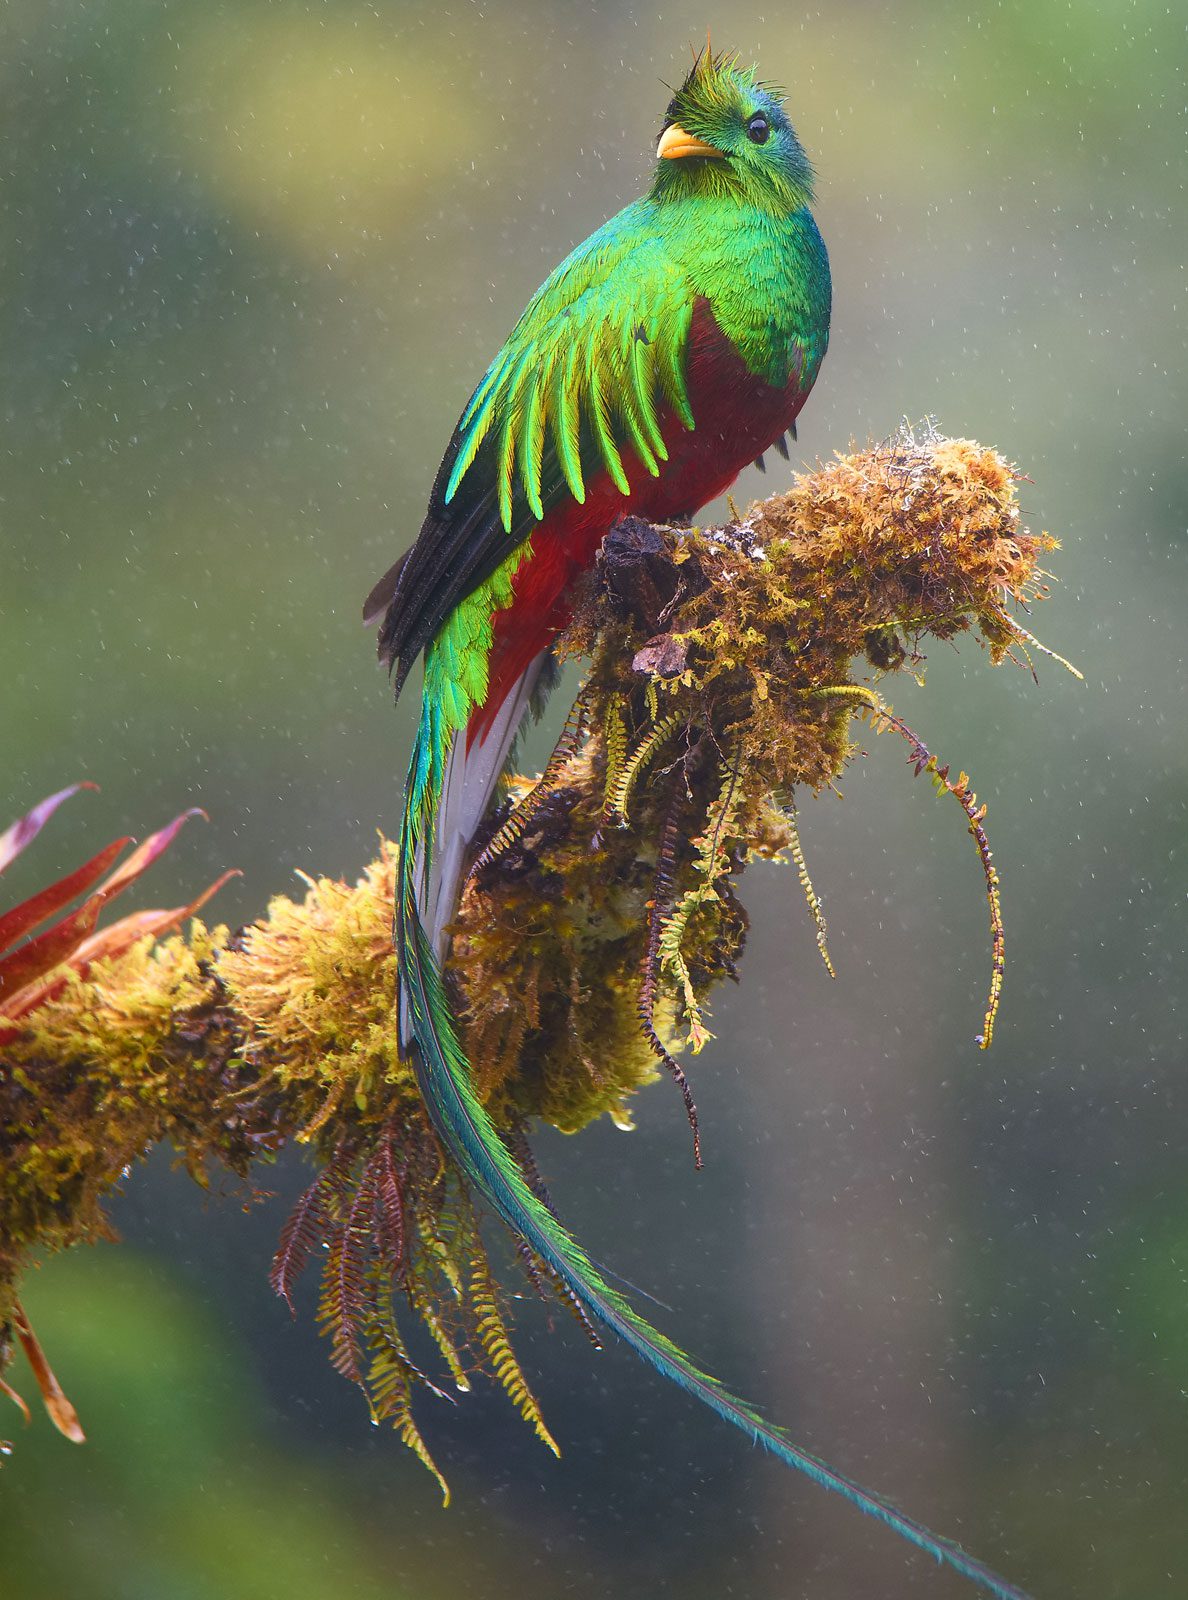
738,417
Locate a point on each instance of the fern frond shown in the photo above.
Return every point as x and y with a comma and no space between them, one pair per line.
425,1307
711,861
383,1330
614,738
636,762
434,1225
493,1336
671,957
1017,628
659,909
575,1306
521,814
390,1230
816,910
322,1115
390,1381
516,1139
303,1231
343,1307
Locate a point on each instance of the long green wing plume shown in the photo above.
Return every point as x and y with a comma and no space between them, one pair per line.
466,1131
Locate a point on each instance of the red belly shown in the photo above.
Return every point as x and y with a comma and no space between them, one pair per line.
738,417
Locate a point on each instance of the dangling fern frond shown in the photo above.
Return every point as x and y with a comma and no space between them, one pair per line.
659,911
816,911
390,1382
391,1236
343,1307
301,1235
493,1336
614,737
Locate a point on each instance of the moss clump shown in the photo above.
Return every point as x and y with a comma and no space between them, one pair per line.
601,910
227,1047
314,987
101,1073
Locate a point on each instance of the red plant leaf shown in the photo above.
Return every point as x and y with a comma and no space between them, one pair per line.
16,923
106,943
58,944
145,854
10,1393
62,1414
49,950
26,828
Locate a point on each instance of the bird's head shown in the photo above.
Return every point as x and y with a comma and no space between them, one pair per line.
725,133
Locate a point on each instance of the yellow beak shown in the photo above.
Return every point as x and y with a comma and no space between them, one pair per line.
676,142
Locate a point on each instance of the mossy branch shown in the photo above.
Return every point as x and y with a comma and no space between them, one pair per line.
600,911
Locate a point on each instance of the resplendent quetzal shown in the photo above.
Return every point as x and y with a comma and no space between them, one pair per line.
674,346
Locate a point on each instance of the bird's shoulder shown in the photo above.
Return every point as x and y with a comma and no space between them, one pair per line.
595,356
628,267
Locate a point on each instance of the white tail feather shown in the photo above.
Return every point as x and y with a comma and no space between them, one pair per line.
469,782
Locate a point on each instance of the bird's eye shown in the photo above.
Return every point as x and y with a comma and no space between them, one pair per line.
758,128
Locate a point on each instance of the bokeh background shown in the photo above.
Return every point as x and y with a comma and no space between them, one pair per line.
254,254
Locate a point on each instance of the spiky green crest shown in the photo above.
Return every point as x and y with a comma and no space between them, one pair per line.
717,103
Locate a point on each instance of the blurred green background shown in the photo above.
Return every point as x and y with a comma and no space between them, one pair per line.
254,255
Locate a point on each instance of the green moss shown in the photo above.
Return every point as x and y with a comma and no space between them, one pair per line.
720,681
97,1076
313,985
596,924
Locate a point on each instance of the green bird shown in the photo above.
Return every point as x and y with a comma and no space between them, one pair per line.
671,348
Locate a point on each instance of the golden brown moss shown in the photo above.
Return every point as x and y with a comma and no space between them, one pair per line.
720,682
599,915
101,1073
314,986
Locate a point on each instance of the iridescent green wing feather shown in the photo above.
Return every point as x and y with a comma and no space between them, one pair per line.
597,352
594,364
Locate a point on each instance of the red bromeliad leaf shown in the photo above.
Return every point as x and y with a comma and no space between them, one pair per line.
10,1393
58,944
62,1414
26,828
18,922
39,969
145,854
107,942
